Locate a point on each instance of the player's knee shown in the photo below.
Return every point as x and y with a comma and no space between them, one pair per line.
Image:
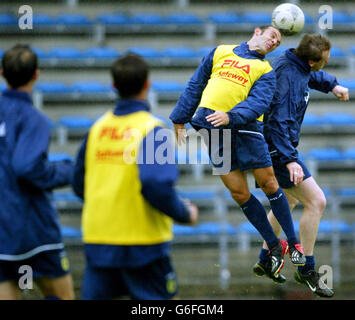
293,203
317,205
320,203
269,185
240,196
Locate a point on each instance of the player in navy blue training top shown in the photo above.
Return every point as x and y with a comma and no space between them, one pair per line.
298,71
30,234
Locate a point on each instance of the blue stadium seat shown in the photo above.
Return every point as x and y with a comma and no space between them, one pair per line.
198,194
327,192
210,228
65,53
338,119
145,52
55,156
52,87
43,20
75,122
224,18
257,18
215,228
329,226
41,53
112,19
183,18
201,52
337,52
179,52
101,53
70,232
180,230
349,83
8,19
247,227
341,17
167,86
147,18
311,119
346,192
72,19
308,19
90,87
349,154
325,154
352,50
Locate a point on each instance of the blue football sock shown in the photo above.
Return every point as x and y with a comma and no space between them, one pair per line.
282,213
264,256
310,265
256,214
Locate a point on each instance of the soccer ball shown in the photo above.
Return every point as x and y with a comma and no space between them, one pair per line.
288,18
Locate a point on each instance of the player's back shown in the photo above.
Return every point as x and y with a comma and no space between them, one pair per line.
26,215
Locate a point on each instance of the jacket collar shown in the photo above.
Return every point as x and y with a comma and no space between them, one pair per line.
304,66
127,106
17,94
244,51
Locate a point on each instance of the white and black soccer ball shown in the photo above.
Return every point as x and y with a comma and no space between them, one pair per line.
288,18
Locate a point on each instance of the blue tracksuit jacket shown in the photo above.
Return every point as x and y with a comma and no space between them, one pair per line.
28,220
282,124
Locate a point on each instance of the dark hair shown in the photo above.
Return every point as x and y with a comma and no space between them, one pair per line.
19,65
312,47
129,74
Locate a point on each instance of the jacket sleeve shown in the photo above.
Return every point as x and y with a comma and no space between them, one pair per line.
282,117
191,96
79,171
257,102
322,81
30,156
158,176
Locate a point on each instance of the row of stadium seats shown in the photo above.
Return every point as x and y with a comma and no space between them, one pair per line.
161,90
57,56
204,196
310,119
243,234
196,163
200,156
149,18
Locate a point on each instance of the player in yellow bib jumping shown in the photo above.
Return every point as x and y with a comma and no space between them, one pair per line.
231,90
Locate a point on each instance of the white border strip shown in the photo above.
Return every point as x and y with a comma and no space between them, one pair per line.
29,254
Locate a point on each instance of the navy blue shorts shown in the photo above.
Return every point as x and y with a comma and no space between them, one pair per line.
231,149
283,175
49,264
155,281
